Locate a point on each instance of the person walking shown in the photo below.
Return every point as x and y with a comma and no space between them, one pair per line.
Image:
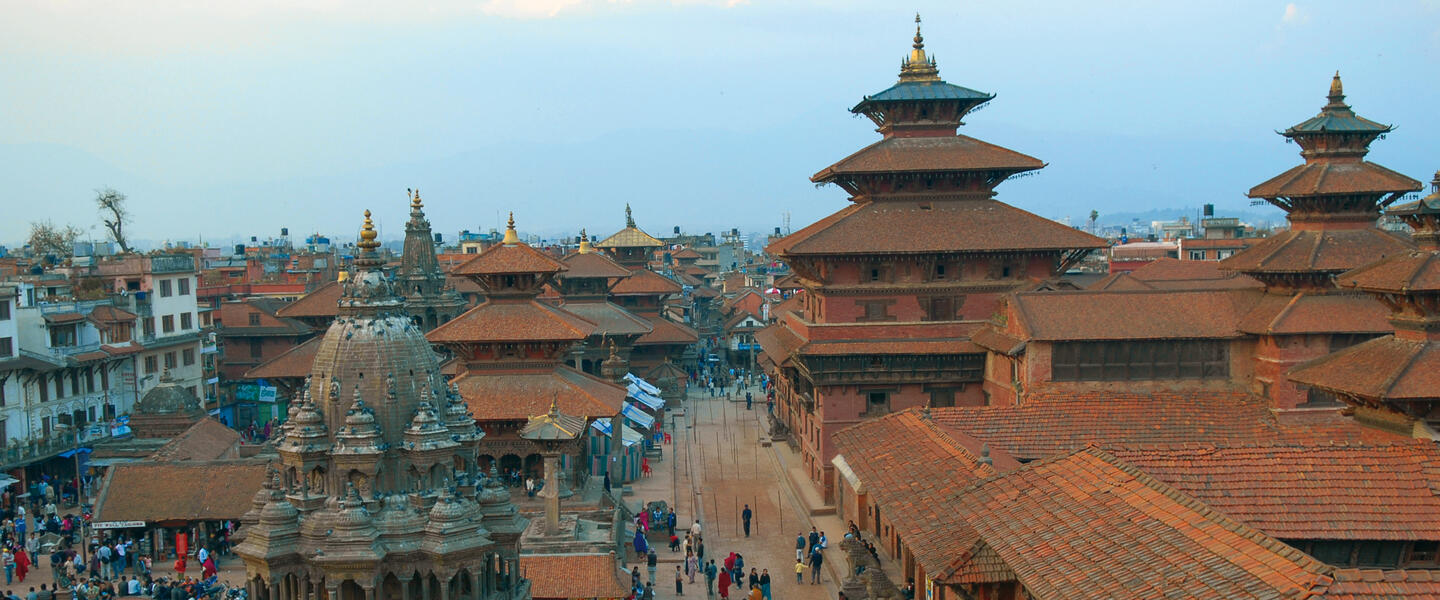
692,564
695,529
745,516
649,593
9,565
725,584
754,579
22,564
816,559
747,400
765,583
710,573
799,546
679,582
799,570
814,540
651,561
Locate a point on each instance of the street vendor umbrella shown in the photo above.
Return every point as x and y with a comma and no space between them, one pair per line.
640,546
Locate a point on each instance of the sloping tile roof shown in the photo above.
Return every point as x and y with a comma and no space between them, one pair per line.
1302,251
891,346
911,466
577,576
924,90
207,439
1375,584
779,342
608,318
899,226
295,362
1385,368
509,321
1130,315
1173,274
497,395
179,491
1417,271
666,331
995,340
1318,178
110,314
1316,313
629,237
928,154
1367,491
509,258
324,301
1086,525
686,252
644,282
1056,420
1119,281
592,264
63,317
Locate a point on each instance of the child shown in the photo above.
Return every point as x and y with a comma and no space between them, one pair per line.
799,571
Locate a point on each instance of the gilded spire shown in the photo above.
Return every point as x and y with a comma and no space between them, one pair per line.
585,247
367,235
415,200
1337,91
629,219
511,238
919,67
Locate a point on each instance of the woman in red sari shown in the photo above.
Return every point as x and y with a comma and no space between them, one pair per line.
22,563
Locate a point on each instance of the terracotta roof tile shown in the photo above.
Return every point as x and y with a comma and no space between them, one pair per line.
510,321
1128,315
1417,271
188,491
1119,281
1086,525
1173,274
667,332
1301,251
502,395
509,258
910,466
609,319
944,226
891,346
295,362
1362,491
1057,420
1316,313
645,282
592,264
1375,584
779,342
686,253
110,314
1326,177
995,340
573,576
928,154
207,439
324,301
1385,368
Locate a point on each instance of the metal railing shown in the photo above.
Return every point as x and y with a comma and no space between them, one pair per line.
21,453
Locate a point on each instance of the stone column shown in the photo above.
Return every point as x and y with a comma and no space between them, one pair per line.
274,590
405,588
370,592
445,588
617,451
332,590
428,591
552,492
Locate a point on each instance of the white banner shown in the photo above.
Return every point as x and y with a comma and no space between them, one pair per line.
116,524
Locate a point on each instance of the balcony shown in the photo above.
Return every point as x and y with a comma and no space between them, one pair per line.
19,454
177,263
69,351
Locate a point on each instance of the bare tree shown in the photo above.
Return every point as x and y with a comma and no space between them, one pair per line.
47,238
114,214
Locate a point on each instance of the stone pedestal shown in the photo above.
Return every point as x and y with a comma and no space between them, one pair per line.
552,493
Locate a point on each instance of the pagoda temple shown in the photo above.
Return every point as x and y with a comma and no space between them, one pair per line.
512,349
379,495
1332,202
631,246
1399,373
421,280
895,283
584,289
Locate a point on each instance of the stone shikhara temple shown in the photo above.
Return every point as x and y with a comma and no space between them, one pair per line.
379,493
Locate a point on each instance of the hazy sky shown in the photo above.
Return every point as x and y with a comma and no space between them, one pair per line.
225,119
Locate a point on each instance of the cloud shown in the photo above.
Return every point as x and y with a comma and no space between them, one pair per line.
1294,15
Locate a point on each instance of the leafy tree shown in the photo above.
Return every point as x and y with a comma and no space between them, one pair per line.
47,238
114,214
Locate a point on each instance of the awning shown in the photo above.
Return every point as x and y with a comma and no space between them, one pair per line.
651,401
7,481
631,438
71,453
638,416
113,460
642,384
64,317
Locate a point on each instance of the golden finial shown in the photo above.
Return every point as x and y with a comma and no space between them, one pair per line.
554,405
919,67
1337,90
343,277
367,235
585,247
415,199
511,238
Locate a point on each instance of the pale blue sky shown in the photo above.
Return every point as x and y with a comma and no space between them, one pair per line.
223,119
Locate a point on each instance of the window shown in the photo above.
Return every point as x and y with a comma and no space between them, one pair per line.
44,390
184,283
877,403
875,310
167,324
1423,552
148,326
186,321
940,271
5,310
74,384
59,387
1197,255
255,349
1378,554
104,379
165,288
1140,360
7,346
942,398
89,381
939,308
151,365
169,360
62,336
254,319
187,356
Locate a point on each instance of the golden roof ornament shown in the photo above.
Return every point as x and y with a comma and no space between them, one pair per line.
585,247
415,199
918,67
367,235
511,238
1337,91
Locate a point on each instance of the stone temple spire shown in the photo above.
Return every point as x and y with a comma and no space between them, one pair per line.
368,291
420,279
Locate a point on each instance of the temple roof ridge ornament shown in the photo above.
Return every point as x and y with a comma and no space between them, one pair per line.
919,67
511,238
